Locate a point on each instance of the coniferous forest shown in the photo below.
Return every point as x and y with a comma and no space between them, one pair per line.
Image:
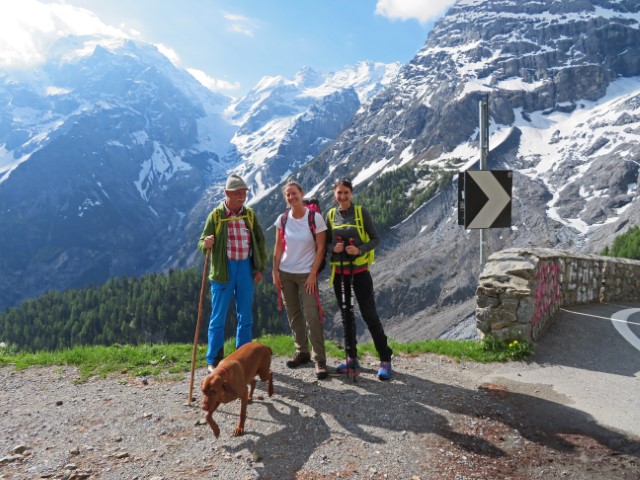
394,195
625,245
152,309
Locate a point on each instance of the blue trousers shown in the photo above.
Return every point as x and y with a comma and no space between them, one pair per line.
240,286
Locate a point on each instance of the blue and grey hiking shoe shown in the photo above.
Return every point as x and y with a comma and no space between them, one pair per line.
385,371
349,366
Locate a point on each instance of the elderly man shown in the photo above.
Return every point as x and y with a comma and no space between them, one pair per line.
238,251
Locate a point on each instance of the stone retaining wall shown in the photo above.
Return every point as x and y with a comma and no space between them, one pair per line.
520,290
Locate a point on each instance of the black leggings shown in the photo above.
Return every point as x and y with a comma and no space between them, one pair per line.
363,290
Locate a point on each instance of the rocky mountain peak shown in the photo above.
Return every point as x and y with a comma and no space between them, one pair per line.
559,77
307,77
117,140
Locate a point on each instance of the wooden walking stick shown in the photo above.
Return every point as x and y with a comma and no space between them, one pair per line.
197,335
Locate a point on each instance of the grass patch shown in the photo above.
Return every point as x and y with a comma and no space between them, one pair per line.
174,359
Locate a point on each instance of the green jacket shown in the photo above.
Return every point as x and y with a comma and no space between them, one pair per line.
218,270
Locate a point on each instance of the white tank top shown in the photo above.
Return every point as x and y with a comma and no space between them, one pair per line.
300,249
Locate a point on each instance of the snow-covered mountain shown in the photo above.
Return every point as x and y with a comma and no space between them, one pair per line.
285,123
282,124
110,156
563,82
103,152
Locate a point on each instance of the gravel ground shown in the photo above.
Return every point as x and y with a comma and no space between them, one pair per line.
434,420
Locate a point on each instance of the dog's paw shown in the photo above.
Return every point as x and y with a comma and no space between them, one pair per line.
214,428
238,431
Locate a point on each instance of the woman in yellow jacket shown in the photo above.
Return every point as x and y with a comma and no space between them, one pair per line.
351,238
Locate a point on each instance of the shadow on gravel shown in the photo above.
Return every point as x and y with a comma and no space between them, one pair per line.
545,422
370,410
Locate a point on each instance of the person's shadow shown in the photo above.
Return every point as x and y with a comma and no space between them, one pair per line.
408,404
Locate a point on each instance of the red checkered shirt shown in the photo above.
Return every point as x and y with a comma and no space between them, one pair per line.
238,237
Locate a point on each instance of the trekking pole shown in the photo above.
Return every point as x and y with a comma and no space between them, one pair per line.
195,338
343,308
352,315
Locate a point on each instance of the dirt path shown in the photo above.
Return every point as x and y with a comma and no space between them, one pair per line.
437,419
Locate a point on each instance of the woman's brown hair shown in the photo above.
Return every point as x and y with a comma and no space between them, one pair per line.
345,183
292,183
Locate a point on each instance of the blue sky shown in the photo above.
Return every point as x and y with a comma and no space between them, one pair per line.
230,44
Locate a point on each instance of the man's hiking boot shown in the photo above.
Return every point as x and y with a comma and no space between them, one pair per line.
321,370
216,361
219,357
348,367
298,359
385,371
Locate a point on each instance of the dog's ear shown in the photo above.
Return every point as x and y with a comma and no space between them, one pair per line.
204,385
223,374
228,388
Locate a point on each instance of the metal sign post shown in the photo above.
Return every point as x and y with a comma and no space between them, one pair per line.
484,153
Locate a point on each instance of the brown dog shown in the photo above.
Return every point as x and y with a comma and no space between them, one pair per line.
230,378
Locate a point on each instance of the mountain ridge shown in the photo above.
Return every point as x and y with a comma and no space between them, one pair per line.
429,117
563,85
108,153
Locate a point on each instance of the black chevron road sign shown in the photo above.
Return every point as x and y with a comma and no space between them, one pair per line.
484,198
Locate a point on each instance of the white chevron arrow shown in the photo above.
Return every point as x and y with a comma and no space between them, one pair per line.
498,198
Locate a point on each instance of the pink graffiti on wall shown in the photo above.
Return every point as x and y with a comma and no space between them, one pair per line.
548,290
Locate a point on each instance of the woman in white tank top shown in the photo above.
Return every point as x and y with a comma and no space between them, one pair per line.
297,257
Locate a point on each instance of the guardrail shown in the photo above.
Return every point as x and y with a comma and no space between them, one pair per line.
521,289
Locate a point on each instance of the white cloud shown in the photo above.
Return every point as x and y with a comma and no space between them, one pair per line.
421,10
241,24
211,83
57,91
29,27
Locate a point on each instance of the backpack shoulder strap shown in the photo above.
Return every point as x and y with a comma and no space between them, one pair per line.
283,223
249,218
331,215
364,236
283,219
312,222
251,215
357,209
360,223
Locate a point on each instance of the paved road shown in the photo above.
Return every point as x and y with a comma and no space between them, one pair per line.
588,361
